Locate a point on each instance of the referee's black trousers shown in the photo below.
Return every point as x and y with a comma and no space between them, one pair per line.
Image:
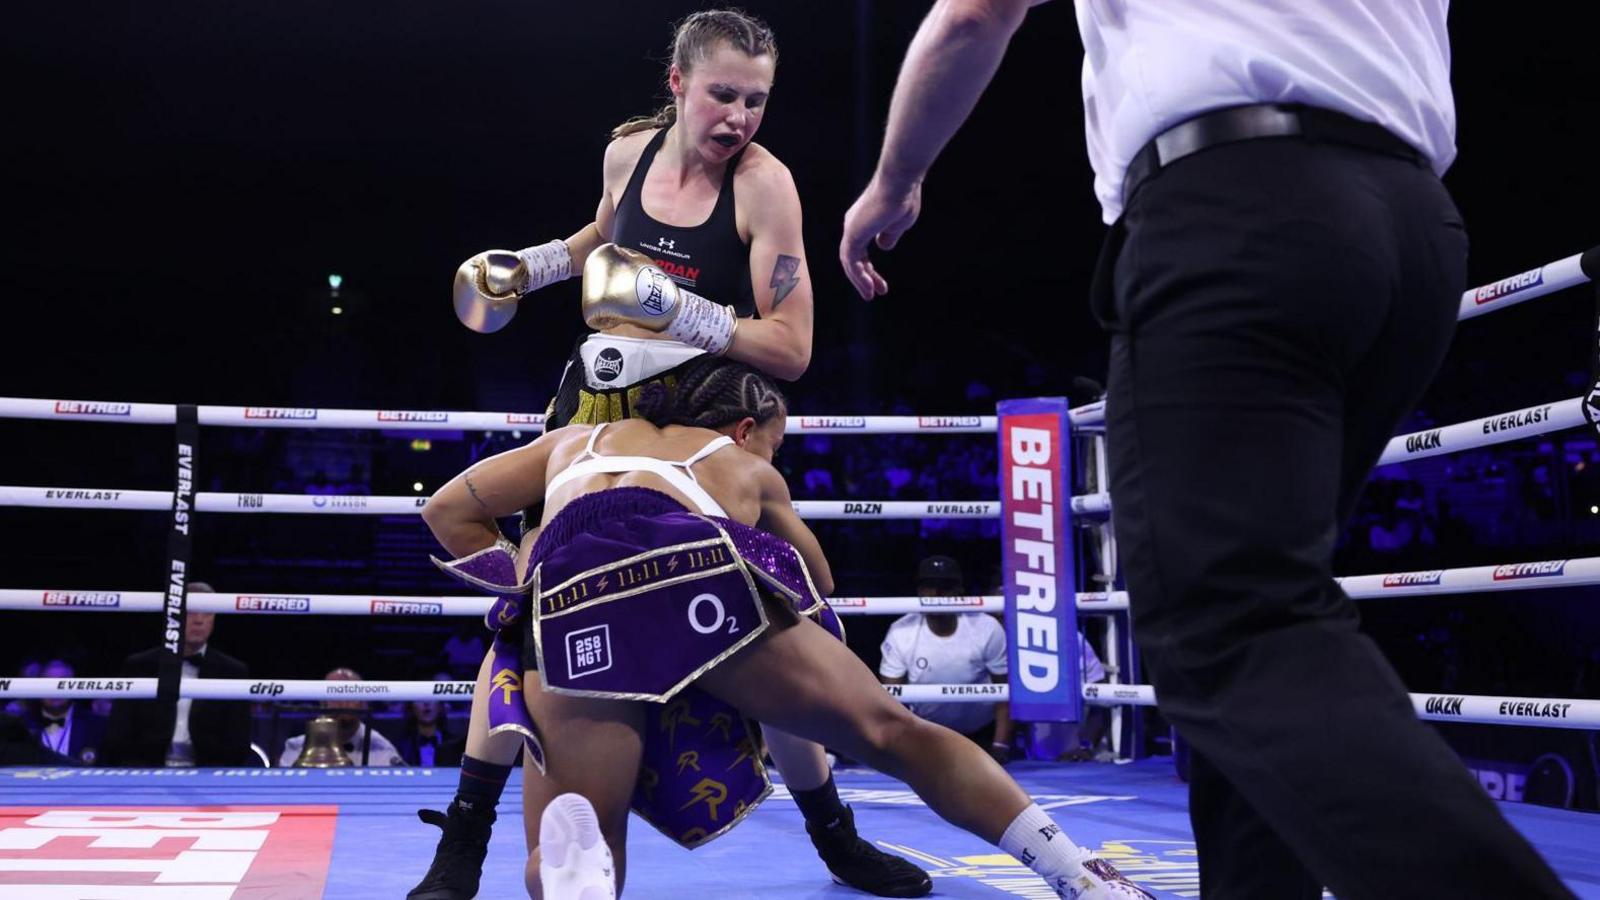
1277,306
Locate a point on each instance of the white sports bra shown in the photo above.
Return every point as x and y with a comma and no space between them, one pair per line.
678,474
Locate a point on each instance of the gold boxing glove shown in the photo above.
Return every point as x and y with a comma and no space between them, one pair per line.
488,286
624,286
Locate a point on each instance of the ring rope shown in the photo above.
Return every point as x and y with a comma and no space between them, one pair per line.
370,605
1527,711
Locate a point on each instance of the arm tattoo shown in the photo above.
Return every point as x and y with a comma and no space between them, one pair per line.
785,275
471,489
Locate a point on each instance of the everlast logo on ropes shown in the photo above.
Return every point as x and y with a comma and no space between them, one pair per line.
608,364
93,684
183,498
1443,706
971,690
82,599
279,412
1408,579
410,415
266,689
1519,419
1517,571
957,509
1491,292
1537,710
451,687
1428,440
60,494
405,608
80,408
863,509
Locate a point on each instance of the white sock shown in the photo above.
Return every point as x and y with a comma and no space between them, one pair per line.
1035,839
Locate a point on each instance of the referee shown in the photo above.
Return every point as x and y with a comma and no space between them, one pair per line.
1280,282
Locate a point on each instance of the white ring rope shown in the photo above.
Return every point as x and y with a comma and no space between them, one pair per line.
365,505
1530,711
1523,576
1499,428
429,420
370,605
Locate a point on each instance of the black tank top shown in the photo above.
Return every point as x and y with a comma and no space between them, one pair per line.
708,259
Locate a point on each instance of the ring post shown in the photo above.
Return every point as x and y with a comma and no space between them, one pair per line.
180,545
1038,558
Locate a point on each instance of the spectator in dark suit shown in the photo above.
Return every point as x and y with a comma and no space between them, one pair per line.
188,732
68,728
426,739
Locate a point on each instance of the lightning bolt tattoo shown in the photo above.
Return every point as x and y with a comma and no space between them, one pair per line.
785,275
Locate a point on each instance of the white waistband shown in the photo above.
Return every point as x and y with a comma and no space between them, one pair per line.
611,362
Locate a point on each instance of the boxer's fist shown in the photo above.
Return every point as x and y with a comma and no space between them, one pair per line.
622,286
488,286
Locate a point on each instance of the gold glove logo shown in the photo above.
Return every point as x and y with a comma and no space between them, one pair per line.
655,291
711,792
507,682
688,759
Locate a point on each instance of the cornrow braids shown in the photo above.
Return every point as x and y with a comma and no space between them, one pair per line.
693,40
712,392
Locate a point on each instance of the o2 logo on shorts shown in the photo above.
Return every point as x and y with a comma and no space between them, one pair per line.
588,651
608,365
707,615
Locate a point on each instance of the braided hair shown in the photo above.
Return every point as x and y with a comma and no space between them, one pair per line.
712,392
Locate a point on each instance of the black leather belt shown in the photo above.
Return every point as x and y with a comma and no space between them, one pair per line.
1265,120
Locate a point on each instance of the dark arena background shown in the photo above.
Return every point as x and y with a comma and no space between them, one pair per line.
263,205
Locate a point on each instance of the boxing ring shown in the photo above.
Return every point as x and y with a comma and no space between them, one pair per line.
206,834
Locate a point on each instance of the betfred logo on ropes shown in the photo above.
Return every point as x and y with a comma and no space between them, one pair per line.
82,599
852,602
833,421
279,412
167,851
411,415
937,422
1518,571
942,602
406,608
83,408
1491,292
523,419
262,603
1412,579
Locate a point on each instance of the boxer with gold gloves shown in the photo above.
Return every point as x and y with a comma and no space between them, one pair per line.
695,248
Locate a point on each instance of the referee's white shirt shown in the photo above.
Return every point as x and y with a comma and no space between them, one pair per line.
1150,64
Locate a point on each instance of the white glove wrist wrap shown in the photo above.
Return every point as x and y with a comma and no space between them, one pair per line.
703,324
547,263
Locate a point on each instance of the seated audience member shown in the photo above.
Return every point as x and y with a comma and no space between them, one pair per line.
353,733
184,732
425,738
67,728
951,648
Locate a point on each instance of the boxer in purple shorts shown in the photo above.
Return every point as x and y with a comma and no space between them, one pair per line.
672,592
